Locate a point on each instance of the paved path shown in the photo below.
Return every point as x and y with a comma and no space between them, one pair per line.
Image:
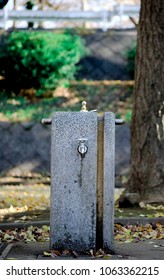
142,250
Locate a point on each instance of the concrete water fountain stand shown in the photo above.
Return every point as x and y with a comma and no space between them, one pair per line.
82,180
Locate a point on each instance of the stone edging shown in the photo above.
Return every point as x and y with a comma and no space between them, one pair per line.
122,221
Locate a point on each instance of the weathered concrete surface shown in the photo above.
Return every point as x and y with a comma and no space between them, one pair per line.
25,148
73,181
105,181
122,149
109,173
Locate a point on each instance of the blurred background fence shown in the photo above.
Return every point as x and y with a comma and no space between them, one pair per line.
112,14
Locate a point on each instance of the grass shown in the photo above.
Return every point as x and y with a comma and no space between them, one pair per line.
16,109
104,96
139,212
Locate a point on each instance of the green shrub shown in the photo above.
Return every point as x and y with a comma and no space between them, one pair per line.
39,59
128,116
130,56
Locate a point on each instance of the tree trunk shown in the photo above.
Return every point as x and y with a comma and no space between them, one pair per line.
147,128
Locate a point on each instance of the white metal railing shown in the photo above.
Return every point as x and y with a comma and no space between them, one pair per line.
127,9
103,16
55,15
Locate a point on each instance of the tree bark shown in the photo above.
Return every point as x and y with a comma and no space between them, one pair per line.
147,127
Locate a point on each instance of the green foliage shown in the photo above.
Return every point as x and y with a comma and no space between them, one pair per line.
38,59
130,56
128,116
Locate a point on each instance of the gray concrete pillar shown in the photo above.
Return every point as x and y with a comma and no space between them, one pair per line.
82,181
73,181
105,182
109,176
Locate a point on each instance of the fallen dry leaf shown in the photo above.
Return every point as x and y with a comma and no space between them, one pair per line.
47,254
136,232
